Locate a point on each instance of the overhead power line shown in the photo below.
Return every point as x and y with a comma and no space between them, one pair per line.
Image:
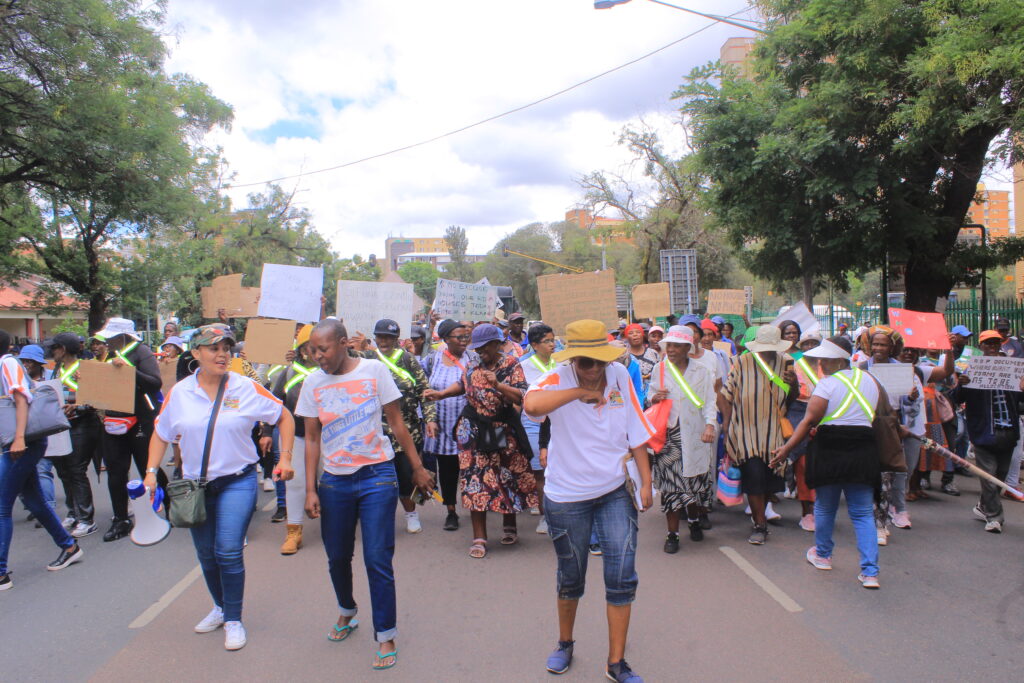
489,118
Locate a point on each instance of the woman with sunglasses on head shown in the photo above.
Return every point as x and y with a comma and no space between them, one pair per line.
231,468
596,421
443,368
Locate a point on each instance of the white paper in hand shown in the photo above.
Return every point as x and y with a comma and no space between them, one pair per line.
634,473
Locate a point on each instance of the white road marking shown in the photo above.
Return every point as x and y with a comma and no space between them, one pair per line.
154,610
766,584
272,505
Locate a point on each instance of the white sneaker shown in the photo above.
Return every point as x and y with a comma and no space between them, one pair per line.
234,635
83,529
978,514
68,522
807,522
535,510
412,522
883,537
213,621
268,485
869,582
994,527
790,493
901,520
542,527
747,511
770,514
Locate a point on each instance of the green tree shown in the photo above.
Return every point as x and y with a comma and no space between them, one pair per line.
862,136
422,276
521,273
458,245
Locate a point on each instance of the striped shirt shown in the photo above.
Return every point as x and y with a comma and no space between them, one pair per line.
13,378
448,410
755,429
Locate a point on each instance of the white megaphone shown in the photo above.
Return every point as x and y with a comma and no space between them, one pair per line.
150,528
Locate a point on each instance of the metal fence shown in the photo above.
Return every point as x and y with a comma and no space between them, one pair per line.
969,313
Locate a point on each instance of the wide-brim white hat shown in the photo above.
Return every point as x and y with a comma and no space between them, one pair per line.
768,338
116,327
827,349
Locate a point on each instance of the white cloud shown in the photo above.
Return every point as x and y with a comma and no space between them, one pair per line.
366,77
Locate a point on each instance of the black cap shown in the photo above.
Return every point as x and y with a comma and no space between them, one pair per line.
417,332
67,341
388,328
1002,323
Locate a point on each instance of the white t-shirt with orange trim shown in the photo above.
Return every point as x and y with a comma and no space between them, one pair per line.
588,443
186,414
14,378
349,407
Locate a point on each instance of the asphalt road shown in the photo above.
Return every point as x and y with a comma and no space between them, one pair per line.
951,607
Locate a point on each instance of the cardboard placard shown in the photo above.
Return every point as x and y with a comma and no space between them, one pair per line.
587,296
723,346
465,301
106,387
291,292
362,304
168,375
897,378
732,301
920,330
267,340
248,303
228,293
995,372
652,301
206,299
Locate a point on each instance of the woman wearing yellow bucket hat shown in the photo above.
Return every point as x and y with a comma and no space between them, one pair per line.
596,421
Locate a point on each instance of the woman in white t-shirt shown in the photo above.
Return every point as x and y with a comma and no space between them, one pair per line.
596,422
231,469
842,458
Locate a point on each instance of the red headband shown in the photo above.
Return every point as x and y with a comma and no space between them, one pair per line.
630,328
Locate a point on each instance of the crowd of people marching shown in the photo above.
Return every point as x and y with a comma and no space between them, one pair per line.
581,430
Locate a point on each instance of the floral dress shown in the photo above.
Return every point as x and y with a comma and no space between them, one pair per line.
499,481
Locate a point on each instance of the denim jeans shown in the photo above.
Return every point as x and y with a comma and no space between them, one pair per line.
368,497
20,477
613,518
219,541
860,500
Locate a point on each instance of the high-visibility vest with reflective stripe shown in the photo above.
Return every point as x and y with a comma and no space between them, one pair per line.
812,376
684,385
123,354
852,393
301,373
540,366
390,362
67,376
771,374
274,370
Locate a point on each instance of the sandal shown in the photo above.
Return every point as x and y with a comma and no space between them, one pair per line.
340,633
379,664
479,548
510,535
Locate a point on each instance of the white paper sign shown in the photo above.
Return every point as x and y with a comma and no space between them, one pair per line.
896,378
60,443
291,292
362,304
465,301
995,372
801,315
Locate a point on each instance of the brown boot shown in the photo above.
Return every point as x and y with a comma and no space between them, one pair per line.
293,541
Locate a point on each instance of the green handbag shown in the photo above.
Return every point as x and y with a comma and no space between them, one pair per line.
186,505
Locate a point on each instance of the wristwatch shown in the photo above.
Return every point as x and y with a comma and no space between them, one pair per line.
152,470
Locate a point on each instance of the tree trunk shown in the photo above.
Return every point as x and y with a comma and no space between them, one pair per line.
97,299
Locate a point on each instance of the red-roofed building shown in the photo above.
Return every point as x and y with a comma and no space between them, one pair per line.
22,315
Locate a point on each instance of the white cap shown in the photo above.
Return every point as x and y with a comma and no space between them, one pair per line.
827,350
118,326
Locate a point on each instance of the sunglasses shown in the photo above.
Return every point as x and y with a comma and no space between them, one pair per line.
584,363
460,337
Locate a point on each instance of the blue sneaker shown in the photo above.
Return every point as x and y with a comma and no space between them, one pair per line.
621,673
560,659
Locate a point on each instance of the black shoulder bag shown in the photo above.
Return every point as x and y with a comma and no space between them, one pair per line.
187,497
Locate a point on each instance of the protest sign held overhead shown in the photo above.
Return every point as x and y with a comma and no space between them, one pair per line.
920,330
361,304
995,372
652,301
105,386
465,301
731,301
291,292
897,378
565,298
801,315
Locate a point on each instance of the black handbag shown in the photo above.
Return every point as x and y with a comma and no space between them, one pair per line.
186,506
45,415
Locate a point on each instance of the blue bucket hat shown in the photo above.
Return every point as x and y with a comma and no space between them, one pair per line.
32,352
484,334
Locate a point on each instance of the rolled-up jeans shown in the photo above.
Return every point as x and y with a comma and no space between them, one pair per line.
613,518
219,541
859,503
367,496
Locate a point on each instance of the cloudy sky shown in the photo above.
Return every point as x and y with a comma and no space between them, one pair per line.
318,83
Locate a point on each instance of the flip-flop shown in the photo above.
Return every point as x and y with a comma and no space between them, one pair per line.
479,548
510,535
381,657
340,633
